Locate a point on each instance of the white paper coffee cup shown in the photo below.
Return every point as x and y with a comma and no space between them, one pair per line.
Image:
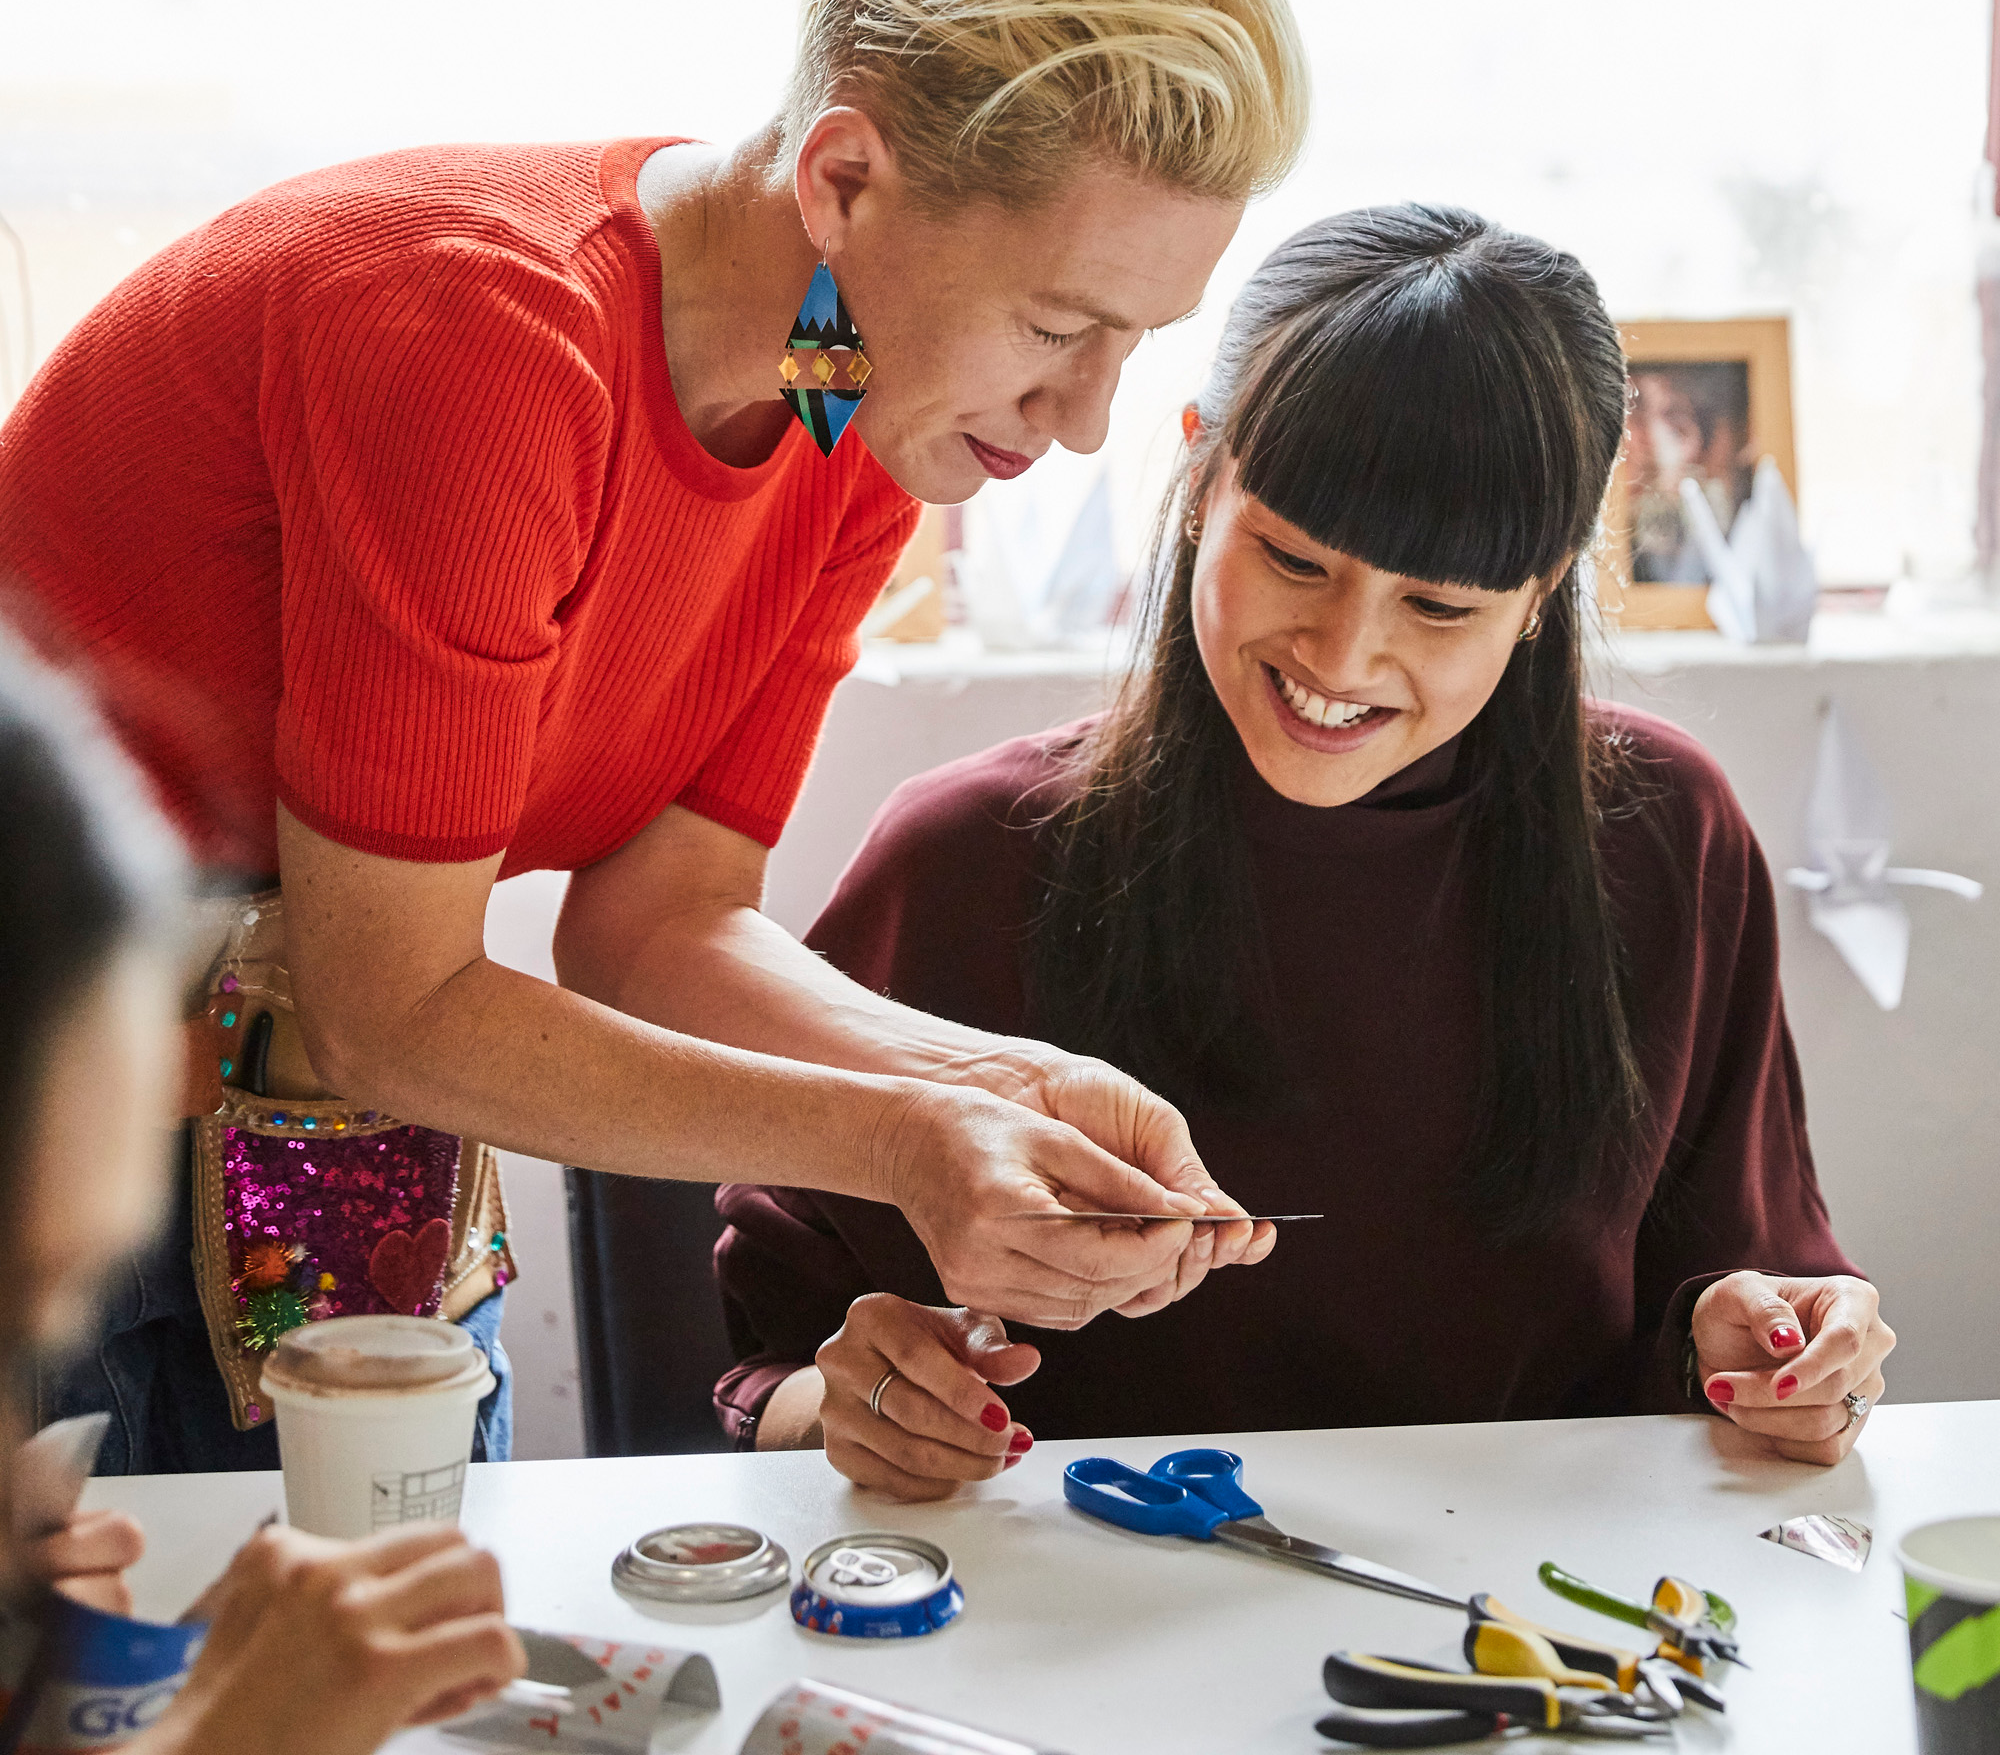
375,1421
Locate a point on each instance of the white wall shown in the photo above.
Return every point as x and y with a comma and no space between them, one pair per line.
1813,156
1904,1106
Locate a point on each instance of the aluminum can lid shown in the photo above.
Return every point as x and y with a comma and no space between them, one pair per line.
701,1563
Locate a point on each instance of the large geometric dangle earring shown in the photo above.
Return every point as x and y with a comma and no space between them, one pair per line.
824,370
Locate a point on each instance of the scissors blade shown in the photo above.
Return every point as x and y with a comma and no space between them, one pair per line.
1257,1536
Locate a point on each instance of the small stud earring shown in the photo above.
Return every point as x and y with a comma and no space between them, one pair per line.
1533,628
1193,528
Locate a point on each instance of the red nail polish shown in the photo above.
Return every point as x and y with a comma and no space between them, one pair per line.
1021,1443
1784,1386
993,1417
1011,1461
1784,1335
1720,1393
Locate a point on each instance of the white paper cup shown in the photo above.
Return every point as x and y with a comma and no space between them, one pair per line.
1951,1579
375,1420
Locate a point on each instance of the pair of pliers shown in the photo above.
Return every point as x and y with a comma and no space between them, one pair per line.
1691,1623
1664,1681
1388,1704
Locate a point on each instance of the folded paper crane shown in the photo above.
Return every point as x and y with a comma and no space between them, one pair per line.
1762,584
1848,834
1016,599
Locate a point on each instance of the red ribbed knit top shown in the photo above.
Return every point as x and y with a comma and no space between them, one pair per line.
372,495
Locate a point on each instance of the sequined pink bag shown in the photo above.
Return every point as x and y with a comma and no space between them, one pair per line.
312,1207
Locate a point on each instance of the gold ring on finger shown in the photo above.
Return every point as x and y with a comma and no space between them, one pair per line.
875,1395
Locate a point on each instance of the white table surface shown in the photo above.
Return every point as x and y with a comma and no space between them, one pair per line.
1094,1641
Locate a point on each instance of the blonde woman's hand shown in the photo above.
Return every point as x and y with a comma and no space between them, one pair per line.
984,1182
86,1559
939,1423
326,1648
1780,1356
1132,1123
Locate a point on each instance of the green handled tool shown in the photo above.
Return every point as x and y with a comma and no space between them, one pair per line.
1702,1638
1627,1671
1690,1603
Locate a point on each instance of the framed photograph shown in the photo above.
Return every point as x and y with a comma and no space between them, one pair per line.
1709,399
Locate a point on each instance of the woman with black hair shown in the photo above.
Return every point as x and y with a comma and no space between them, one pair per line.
367,1636
1417,935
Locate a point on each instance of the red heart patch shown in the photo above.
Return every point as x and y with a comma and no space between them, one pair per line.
406,1269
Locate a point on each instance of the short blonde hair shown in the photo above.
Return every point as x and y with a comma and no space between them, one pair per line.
996,100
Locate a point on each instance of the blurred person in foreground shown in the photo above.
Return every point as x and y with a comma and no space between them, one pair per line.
359,1639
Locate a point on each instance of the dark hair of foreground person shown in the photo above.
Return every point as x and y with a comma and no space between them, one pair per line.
94,931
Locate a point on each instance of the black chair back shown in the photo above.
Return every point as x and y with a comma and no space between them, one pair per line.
649,1329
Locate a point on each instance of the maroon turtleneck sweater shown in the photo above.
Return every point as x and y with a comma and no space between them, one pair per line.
1393,1309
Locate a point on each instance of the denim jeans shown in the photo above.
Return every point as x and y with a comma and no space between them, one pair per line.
150,1366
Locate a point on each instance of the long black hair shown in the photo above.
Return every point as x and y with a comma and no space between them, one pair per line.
87,868
1443,399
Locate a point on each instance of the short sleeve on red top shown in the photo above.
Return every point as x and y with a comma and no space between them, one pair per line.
411,534
437,442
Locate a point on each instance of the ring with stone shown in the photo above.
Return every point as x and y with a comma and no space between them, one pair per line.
890,1376
1857,1407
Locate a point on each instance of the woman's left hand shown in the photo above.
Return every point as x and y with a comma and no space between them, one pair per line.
1780,1356
87,1558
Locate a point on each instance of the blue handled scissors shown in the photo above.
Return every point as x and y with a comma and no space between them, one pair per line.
1199,1493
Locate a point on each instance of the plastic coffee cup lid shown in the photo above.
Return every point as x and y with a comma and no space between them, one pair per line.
373,1353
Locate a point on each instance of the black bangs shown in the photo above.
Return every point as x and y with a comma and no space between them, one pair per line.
1420,409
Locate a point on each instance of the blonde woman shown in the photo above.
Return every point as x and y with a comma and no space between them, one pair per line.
475,510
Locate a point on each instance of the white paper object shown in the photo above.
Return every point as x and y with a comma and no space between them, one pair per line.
1762,582
988,587
891,609
1084,583
1848,838
1020,592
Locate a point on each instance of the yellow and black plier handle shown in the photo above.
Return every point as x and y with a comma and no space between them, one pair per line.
1668,1674
1485,1703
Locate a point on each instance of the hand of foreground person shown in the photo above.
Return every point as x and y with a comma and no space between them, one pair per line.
1779,1356
940,1423
326,1648
970,1169
86,1559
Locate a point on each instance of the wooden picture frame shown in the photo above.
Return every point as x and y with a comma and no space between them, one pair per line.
1741,376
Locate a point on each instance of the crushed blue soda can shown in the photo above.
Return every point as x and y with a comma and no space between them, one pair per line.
876,1585
85,1680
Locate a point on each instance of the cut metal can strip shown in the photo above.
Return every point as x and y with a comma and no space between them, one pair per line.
589,1696
816,1718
